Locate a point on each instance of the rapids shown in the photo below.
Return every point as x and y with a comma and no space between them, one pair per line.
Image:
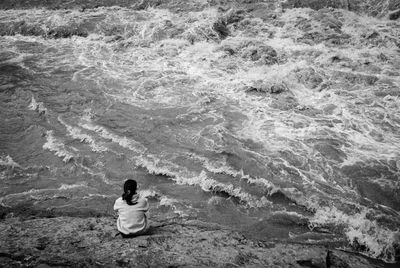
284,126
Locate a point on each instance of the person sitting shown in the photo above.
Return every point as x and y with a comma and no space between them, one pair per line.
131,209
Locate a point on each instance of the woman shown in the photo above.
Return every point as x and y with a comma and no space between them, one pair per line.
131,208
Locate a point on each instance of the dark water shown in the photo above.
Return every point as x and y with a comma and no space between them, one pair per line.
79,115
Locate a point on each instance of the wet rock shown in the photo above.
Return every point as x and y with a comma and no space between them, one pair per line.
278,88
216,32
309,77
258,52
263,87
220,27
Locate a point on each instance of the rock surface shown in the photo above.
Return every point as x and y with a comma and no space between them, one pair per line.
93,242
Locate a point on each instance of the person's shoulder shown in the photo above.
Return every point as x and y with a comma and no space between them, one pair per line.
119,200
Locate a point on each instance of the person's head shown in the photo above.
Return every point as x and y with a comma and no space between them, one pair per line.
130,187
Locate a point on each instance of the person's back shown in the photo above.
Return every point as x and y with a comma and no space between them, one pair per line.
131,210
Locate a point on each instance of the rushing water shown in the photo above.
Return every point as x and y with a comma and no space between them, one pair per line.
156,96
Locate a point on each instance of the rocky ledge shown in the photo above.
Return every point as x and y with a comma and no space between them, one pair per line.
94,242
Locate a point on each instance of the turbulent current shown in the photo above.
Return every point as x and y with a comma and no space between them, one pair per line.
283,125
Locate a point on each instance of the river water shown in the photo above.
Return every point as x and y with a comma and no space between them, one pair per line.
158,97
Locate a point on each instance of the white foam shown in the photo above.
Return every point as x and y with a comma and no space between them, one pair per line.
186,178
166,201
148,193
33,192
122,141
290,213
77,134
72,186
8,161
37,106
105,196
378,240
56,146
223,168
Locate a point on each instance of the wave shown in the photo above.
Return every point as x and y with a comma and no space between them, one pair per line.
284,217
173,204
166,201
122,141
52,144
32,192
155,166
77,134
71,186
8,162
364,235
149,193
222,167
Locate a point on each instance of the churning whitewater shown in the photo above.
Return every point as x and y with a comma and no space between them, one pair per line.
285,129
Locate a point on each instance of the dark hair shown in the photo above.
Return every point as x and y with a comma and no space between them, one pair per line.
130,187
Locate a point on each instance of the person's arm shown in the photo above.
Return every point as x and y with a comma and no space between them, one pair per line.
116,205
115,214
145,205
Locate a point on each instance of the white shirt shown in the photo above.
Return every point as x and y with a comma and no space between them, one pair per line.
131,219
